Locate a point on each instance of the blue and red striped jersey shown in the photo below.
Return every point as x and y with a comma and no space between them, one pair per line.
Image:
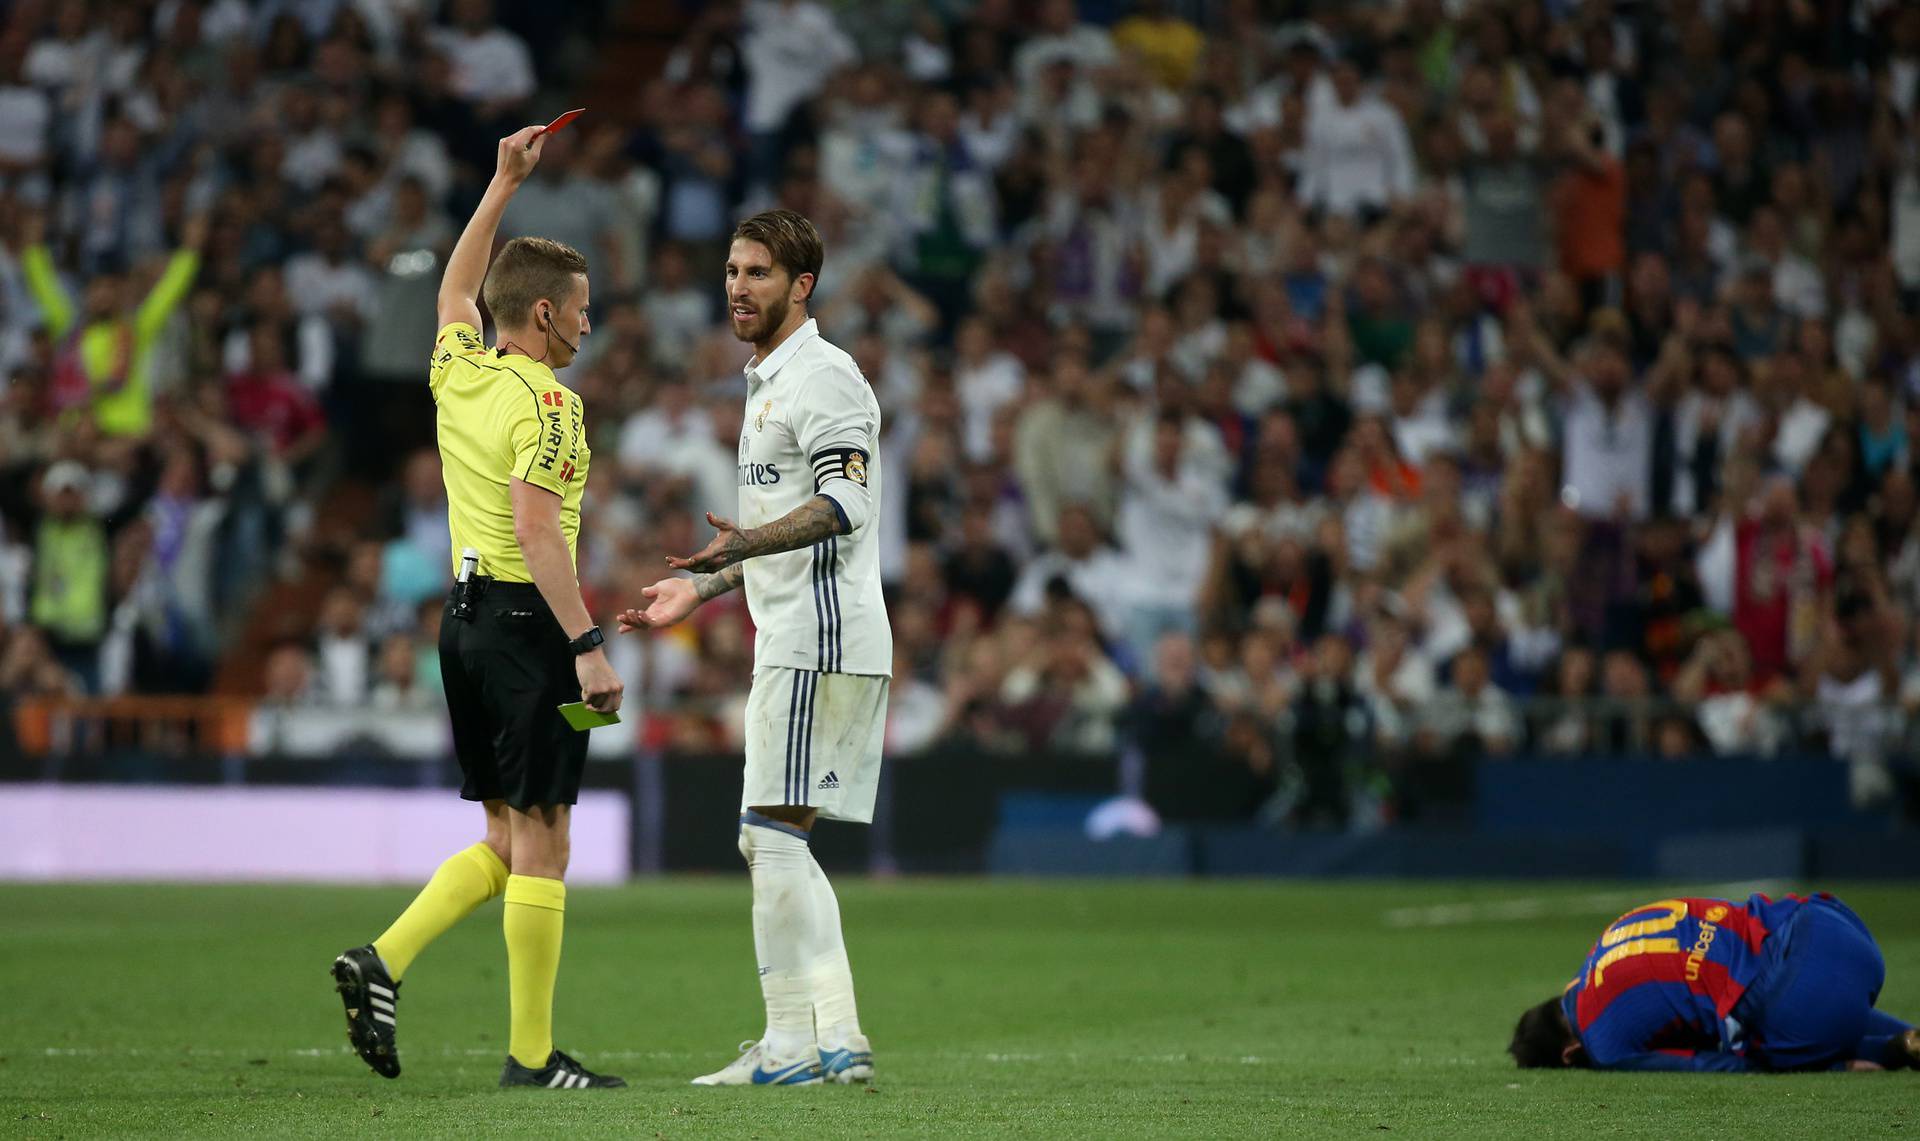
1658,990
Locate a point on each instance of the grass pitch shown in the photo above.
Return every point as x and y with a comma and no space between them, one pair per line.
996,1007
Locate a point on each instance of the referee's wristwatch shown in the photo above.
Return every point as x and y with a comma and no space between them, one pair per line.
588,642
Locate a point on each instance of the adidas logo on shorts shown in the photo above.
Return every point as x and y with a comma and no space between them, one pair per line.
831,780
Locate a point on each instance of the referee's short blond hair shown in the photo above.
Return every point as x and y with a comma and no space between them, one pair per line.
527,270
791,241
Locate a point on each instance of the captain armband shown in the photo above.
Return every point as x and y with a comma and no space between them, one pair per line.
840,474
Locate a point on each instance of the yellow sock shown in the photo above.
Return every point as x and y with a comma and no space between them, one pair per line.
536,915
467,879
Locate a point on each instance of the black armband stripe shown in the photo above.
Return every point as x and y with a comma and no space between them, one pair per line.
848,463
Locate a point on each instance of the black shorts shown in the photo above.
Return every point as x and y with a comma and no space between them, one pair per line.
506,673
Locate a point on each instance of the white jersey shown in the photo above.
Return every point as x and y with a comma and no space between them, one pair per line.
812,427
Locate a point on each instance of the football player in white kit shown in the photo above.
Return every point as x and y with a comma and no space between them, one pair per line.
805,552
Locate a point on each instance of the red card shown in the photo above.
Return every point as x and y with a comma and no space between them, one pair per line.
562,121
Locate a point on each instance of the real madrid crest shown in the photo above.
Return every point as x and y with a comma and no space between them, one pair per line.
760,421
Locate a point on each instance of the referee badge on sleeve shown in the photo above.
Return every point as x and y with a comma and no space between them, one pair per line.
839,463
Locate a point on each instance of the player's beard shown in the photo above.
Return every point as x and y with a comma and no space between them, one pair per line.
764,321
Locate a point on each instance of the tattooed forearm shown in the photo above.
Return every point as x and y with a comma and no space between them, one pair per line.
712,586
804,526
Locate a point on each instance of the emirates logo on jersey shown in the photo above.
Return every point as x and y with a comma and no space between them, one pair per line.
760,421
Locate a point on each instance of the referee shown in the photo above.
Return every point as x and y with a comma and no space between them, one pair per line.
516,641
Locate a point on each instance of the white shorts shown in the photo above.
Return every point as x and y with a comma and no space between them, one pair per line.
814,740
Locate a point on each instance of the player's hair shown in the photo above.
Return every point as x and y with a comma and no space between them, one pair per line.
527,270
791,241
1540,1037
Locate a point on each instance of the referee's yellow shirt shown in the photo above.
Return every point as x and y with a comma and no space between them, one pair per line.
501,417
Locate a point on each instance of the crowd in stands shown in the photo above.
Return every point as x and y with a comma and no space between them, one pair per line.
216,217
1321,388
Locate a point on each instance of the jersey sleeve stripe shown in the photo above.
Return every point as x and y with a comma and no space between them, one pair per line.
833,586
806,749
819,613
793,727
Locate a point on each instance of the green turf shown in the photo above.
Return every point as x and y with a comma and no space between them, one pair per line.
1006,1008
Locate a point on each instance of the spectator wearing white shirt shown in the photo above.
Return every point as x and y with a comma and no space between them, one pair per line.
1201,336
313,148
706,463
342,653
990,126
1804,420
1709,424
1606,447
650,432
1395,679
1276,508
409,151
677,311
985,380
791,48
1421,426
492,68
1057,67
328,281
1365,515
1149,350
70,56
1091,570
864,144
1172,213
26,115
1471,714
1172,502
1855,687
1796,282
1258,384
1358,159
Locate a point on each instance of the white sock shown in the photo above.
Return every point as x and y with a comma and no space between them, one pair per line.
783,932
830,977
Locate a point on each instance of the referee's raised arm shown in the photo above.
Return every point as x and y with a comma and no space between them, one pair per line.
459,300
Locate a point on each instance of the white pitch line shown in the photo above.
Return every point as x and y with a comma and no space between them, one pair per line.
306,1052
649,1055
1522,908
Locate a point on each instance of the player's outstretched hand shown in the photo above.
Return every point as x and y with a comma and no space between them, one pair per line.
726,549
520,153
668,601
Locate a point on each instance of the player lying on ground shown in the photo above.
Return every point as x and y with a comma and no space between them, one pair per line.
1709,984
